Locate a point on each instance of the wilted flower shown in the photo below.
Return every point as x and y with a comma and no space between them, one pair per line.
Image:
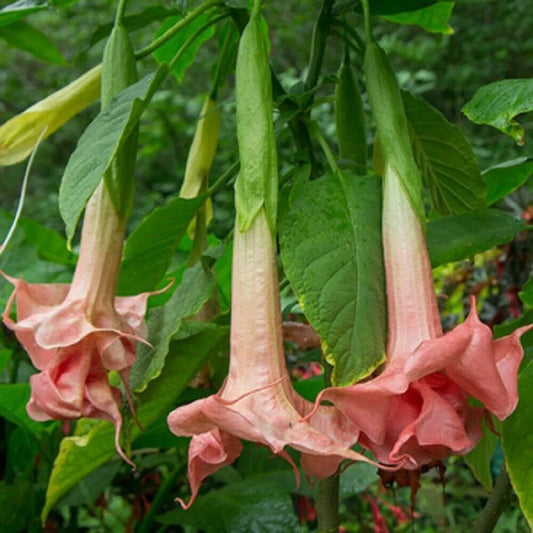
257,402
75,334
19,135
417,410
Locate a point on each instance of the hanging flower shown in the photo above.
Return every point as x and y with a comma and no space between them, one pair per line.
76,333
417,410
257,402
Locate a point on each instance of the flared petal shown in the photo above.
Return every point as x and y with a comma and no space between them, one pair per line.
208,452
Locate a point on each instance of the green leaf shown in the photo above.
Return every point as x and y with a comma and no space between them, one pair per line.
80,455
445,158
88,489
196,287
526,295
25,37
434,18
479,459
20,9
168,50
99,144
356,479
517,442
21,453
506,177
251,506
151,246
457,237
5,357
15,499
13,400
331,251
496,104
49,244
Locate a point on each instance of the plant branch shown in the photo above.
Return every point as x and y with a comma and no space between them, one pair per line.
147,523
193,38
320,35
357,41
176,28
495,504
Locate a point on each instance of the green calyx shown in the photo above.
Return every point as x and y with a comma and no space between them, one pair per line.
392,127
349,117
257,184
118,72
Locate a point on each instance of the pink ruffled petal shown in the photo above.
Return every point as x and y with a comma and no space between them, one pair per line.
208,452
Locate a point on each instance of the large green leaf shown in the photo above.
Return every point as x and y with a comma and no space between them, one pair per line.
479,459
25,37
496,104
331,251
167,51
445,158
457,237
517,441
99,144
80,455
151,246
196,287
434,18
251,506
506,177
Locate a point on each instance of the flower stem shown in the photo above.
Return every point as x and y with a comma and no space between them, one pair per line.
327,502
147,523
119,16
495,504
368,24
327,505
320,35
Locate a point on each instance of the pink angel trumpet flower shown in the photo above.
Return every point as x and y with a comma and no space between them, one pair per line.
76,333
257,402
417,411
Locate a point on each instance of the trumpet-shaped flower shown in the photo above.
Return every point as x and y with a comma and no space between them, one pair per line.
19,135
76,333
417,410
257,402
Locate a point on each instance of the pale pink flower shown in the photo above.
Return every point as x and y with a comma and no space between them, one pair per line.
76,333
417,410
257,402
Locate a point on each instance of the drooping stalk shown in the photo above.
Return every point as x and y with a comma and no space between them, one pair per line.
496,503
